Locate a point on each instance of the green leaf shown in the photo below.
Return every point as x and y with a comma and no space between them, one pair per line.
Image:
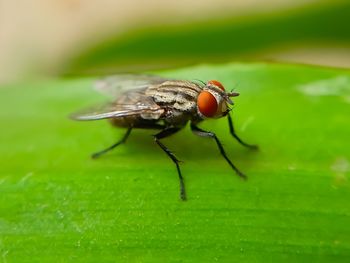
58,205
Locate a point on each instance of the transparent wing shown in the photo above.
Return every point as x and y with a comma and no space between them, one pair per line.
134,102
117,84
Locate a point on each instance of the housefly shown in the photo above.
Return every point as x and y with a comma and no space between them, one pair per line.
167,105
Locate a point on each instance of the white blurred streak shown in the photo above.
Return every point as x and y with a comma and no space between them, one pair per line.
330,54
37,36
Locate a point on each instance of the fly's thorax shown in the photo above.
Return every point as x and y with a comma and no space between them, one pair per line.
178,95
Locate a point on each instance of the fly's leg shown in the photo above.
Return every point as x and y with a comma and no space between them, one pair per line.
233,133
165,133
123,140
203,133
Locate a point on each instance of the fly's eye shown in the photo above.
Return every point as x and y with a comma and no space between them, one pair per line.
217,84
207,104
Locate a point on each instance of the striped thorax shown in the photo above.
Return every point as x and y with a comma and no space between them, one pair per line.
179,95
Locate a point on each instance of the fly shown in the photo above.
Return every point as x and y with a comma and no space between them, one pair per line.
167,105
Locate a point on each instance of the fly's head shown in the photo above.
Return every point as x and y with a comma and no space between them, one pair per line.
213,101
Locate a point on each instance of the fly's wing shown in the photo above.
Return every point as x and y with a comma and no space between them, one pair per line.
133,102
116,85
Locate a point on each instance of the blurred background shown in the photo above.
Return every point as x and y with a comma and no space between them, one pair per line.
77,37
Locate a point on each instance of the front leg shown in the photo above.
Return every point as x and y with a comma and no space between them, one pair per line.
233,133
203,133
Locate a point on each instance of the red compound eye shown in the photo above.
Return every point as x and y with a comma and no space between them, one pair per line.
217,84
207,104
